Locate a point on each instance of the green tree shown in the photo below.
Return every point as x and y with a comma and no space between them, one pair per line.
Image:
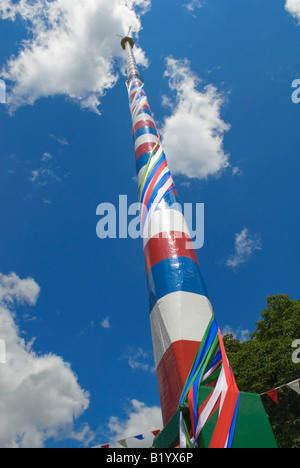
264,362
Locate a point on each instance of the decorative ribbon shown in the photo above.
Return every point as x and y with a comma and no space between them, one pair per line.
210,368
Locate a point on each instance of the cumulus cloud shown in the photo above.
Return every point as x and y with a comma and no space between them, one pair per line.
193,134
72,48
238,334
62,141
2,92
140,419
139,360
106,323
193,4
40,396
48,171
13,289
293,7
245,246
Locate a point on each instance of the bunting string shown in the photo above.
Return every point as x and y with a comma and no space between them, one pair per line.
273,394
134,442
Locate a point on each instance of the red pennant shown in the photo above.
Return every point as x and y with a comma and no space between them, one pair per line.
274,395
155,433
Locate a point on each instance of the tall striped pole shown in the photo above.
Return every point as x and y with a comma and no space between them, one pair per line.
180,310
196,383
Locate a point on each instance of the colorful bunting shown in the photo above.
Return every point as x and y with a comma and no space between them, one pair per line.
123,443
273,394
295,386
134,442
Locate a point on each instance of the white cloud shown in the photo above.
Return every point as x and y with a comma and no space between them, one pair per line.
236,171
293,7
138,360
239,334
106,323
12,289
245,246
140,419
193,135
43,176
39,394
48,172
193,4
72,50
2,92
60,140
46,156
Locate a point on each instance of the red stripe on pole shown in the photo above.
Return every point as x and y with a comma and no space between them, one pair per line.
144,123
133,95
168,245
144,107
144,148
172,372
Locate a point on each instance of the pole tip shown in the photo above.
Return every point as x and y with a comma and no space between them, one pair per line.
127,39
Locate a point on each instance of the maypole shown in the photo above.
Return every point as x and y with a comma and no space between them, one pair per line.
199,396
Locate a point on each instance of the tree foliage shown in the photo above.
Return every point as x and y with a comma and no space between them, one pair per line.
264,362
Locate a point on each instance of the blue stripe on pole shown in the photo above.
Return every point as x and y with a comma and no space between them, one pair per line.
173,275
142,161
135,87
144,131
144,111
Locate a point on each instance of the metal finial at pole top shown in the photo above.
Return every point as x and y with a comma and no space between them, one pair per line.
129,40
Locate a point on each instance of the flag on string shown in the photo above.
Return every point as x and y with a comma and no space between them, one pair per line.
273,394
295,386
140,441
123,443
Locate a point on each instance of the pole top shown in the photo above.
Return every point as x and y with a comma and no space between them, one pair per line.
127,39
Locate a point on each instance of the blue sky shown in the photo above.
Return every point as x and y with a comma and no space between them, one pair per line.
75,315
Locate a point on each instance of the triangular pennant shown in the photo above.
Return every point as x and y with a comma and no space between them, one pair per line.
139,437
123,443
105,446
274,395
295,386
155,433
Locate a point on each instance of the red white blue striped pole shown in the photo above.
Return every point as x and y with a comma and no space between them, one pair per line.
180,310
